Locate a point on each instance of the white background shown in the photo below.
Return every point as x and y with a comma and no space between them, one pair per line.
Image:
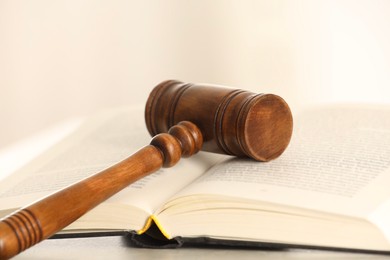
61,59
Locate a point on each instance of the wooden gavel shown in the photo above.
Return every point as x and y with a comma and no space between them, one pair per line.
195,116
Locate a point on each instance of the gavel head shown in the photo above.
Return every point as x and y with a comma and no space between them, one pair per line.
232,121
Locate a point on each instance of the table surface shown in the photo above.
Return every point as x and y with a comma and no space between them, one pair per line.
116,247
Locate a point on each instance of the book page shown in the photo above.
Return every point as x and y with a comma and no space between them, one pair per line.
337,161
101,142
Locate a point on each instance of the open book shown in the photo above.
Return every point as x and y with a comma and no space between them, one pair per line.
330,189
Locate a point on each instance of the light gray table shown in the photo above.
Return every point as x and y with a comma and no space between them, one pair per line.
115,247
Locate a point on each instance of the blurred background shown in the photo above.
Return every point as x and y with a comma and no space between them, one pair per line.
64,59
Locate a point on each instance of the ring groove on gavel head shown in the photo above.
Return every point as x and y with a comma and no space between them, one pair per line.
232,121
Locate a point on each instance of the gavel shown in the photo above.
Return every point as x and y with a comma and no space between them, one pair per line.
183,118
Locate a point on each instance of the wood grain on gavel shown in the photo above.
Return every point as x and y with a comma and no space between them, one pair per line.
196,116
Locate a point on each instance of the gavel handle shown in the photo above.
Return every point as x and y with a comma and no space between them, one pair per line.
42,219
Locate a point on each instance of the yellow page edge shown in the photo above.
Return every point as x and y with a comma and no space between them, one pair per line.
149,222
